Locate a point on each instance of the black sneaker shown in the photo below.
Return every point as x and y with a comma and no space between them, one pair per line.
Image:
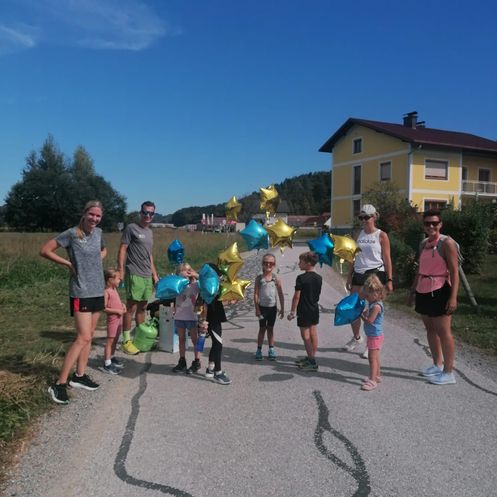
59,393
181,366
83,382
117,363
194,367
222,377
110,369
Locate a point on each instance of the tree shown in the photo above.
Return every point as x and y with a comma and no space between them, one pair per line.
53,192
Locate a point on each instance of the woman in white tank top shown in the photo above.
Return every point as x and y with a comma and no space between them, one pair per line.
373,257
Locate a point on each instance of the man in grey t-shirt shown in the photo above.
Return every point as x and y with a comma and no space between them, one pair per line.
136,265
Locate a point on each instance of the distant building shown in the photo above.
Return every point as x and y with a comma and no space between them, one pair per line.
431,167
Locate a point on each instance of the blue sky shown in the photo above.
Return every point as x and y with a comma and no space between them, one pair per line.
188,102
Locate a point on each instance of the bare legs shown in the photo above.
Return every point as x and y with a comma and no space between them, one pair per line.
441,341
86,323
310,338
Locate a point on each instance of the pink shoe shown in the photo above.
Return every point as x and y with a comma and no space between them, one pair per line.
369,385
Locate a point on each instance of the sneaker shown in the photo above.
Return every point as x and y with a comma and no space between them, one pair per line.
84,382
271,355
222,378
300,361
117,363
443,379
130,348
209,373
309,366
59,393
353,343
433,370
194,368
258,355
110,369
181,366
365,354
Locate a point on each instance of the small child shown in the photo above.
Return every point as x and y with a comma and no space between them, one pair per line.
374,292
115,310
306,302
266,286
185,319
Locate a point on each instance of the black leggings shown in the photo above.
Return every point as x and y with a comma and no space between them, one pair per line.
217,345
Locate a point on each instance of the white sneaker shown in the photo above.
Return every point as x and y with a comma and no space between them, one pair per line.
365,354
353,343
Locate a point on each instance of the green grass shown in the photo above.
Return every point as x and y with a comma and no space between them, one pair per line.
35,326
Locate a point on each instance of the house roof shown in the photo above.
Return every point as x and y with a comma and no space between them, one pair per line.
416,136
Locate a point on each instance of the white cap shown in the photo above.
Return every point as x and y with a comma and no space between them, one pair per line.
368,209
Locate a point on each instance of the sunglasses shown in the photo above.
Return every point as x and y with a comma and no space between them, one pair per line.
148,213
431,223
364,218
267,263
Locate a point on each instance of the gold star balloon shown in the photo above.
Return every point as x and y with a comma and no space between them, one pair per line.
345,247
229,261
233,290
281,234
232,209
270,200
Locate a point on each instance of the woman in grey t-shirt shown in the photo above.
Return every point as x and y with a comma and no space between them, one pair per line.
85,249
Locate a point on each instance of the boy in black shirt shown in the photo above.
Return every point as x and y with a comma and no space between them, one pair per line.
305,302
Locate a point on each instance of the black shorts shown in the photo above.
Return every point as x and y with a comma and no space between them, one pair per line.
433,304
307,319
359,279
268,316
90,304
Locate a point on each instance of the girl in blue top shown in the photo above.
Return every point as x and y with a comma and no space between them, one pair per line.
374,293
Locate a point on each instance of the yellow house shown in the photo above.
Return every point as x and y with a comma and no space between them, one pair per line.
432,167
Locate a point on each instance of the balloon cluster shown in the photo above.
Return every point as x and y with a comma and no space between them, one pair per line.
229,263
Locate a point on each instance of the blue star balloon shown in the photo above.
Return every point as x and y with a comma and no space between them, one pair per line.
323,247
208,283
255,236
176,252
349,309
169,287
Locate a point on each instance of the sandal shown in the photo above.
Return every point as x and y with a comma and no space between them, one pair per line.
369,385
367,378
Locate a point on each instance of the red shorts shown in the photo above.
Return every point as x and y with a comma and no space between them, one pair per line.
375,343
91,304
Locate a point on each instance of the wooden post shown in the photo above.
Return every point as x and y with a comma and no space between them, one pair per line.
467,288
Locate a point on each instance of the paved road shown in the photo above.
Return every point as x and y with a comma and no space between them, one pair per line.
276,430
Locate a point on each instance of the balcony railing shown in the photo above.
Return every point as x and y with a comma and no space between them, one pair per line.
479,187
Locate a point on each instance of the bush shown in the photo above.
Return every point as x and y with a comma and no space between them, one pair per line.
403,260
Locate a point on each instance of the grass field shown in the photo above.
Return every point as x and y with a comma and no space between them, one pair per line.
35,326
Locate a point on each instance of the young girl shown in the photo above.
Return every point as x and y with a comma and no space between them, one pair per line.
186,319
115,310
374,292
265,289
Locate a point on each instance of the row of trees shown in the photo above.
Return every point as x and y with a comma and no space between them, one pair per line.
54,190
307,194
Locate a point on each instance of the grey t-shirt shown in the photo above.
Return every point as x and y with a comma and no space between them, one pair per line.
267,291
85,256
139,241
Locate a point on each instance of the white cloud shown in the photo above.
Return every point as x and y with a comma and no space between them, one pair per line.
16,38
96,24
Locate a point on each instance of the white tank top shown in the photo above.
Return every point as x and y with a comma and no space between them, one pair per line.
370,256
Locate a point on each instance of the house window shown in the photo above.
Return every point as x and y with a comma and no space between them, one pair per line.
357,146
436,205
436,169
385,171
484,175
357,181
464,173
356,208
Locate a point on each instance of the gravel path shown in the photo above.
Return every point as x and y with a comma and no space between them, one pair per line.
276,430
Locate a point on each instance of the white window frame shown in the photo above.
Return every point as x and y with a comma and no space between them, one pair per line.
357,140
437,178
384,163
